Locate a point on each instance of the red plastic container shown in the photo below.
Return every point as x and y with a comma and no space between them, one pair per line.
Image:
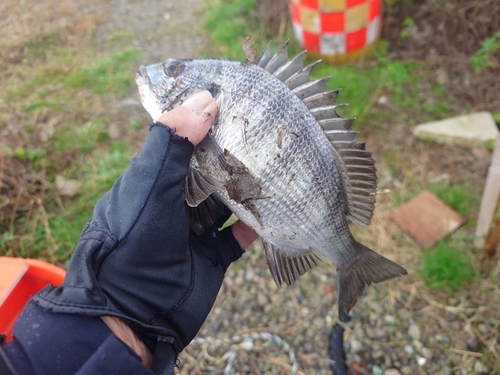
20,279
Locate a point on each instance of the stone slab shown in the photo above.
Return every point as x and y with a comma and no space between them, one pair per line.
427,219
472,130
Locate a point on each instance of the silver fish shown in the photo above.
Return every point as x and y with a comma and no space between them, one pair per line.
282,159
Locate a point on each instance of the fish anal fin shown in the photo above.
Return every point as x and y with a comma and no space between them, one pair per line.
369,268
288,268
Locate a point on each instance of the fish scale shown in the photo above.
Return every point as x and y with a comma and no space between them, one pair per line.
282,159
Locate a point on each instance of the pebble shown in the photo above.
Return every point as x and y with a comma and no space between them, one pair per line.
473,344
389,319
480,368
376,370
356,346
483,328
409,349
261,299
406,370
445,371
404,314
377,354
249,275
414,332
421,361
308,347
427,353
392,371
418,345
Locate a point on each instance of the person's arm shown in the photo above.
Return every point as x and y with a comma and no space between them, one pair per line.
137,259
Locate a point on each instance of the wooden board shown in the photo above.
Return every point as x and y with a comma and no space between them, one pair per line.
427,219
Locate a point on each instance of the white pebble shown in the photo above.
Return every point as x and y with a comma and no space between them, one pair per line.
421,361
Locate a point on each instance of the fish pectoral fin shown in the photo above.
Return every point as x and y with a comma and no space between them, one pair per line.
288,268
369,268
198,187
205,214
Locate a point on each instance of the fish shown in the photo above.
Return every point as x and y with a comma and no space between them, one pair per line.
282,159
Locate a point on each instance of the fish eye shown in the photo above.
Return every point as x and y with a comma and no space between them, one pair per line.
173,69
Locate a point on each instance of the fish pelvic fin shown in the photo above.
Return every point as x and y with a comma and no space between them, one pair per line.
369,268
288,268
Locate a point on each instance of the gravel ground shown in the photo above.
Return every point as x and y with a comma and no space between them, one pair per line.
397,327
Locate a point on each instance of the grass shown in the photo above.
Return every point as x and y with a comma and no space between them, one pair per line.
59,95
461,197
446,268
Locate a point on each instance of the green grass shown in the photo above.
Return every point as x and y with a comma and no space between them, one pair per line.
483,56
461,197
446,268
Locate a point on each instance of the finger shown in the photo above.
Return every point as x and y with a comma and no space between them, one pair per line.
193,118
243,234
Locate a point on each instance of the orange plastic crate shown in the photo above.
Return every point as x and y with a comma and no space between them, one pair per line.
20,279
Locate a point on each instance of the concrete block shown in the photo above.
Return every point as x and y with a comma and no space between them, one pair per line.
475,129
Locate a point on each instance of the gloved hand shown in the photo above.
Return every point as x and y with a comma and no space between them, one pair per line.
137,258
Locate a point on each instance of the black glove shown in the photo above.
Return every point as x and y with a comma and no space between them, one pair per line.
137,258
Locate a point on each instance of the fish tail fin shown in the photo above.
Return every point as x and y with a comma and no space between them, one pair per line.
369,268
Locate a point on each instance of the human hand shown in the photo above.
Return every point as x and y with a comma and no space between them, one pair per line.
137,259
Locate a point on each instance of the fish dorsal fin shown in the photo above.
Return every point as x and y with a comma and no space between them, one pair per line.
358,167
359,175
288,268
264,57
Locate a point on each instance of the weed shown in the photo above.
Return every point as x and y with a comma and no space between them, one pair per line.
446,268
483,56
407,23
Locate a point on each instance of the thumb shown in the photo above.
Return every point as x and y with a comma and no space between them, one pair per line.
193,118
